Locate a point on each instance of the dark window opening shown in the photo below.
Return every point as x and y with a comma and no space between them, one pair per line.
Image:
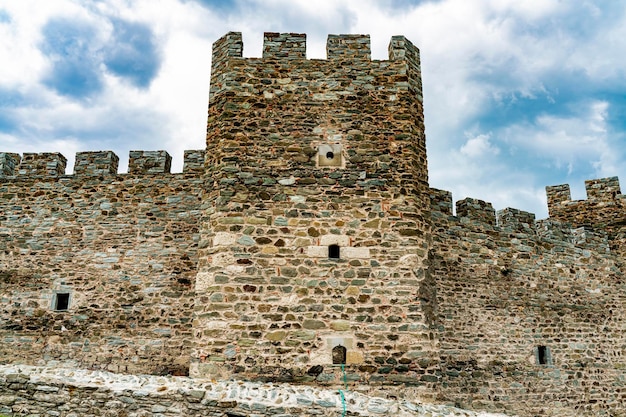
543,355
339,355
62,301
330,155
333,251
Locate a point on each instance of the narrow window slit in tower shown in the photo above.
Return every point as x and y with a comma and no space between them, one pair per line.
339,355
62,301
333,251
543,355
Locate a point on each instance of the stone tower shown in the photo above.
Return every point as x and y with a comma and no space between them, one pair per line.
316,237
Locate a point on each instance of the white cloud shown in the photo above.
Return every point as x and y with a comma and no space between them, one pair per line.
478,146
567,140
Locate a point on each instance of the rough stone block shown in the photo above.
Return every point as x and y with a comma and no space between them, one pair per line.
340,240
194,161
96,163
515,219
355,253
149,162
476,210
353,356
603,189
348,47
284,45
8,163
441,201
224,239
50,164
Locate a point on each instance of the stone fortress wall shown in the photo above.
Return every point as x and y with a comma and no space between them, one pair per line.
229,270
532,313
123,247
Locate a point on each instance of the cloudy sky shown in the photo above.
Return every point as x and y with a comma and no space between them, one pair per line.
519,94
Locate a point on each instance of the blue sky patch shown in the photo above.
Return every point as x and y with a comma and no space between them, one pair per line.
223,6
5,17
133,53
69,46
7,123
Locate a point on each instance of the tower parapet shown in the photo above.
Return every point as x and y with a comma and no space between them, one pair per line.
441,201
558,194
194,161
402,49
228,46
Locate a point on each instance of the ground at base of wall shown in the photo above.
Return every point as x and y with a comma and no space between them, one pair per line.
28,390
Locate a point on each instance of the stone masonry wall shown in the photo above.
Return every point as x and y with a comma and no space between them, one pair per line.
306,154
506,290
122,249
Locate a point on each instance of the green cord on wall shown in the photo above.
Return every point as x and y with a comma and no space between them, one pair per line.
345,382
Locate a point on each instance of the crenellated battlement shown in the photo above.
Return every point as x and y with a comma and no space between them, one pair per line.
292,46
597,222
598,190
284,112
604,210
92,163
605,192
476,223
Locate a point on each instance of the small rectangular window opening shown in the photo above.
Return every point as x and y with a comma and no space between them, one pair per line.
333,251
543,355
339,355
62,301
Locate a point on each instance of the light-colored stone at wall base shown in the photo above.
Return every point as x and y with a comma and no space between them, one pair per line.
223,259
49,394
317,251
354,357
297,198
355,253
224,239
